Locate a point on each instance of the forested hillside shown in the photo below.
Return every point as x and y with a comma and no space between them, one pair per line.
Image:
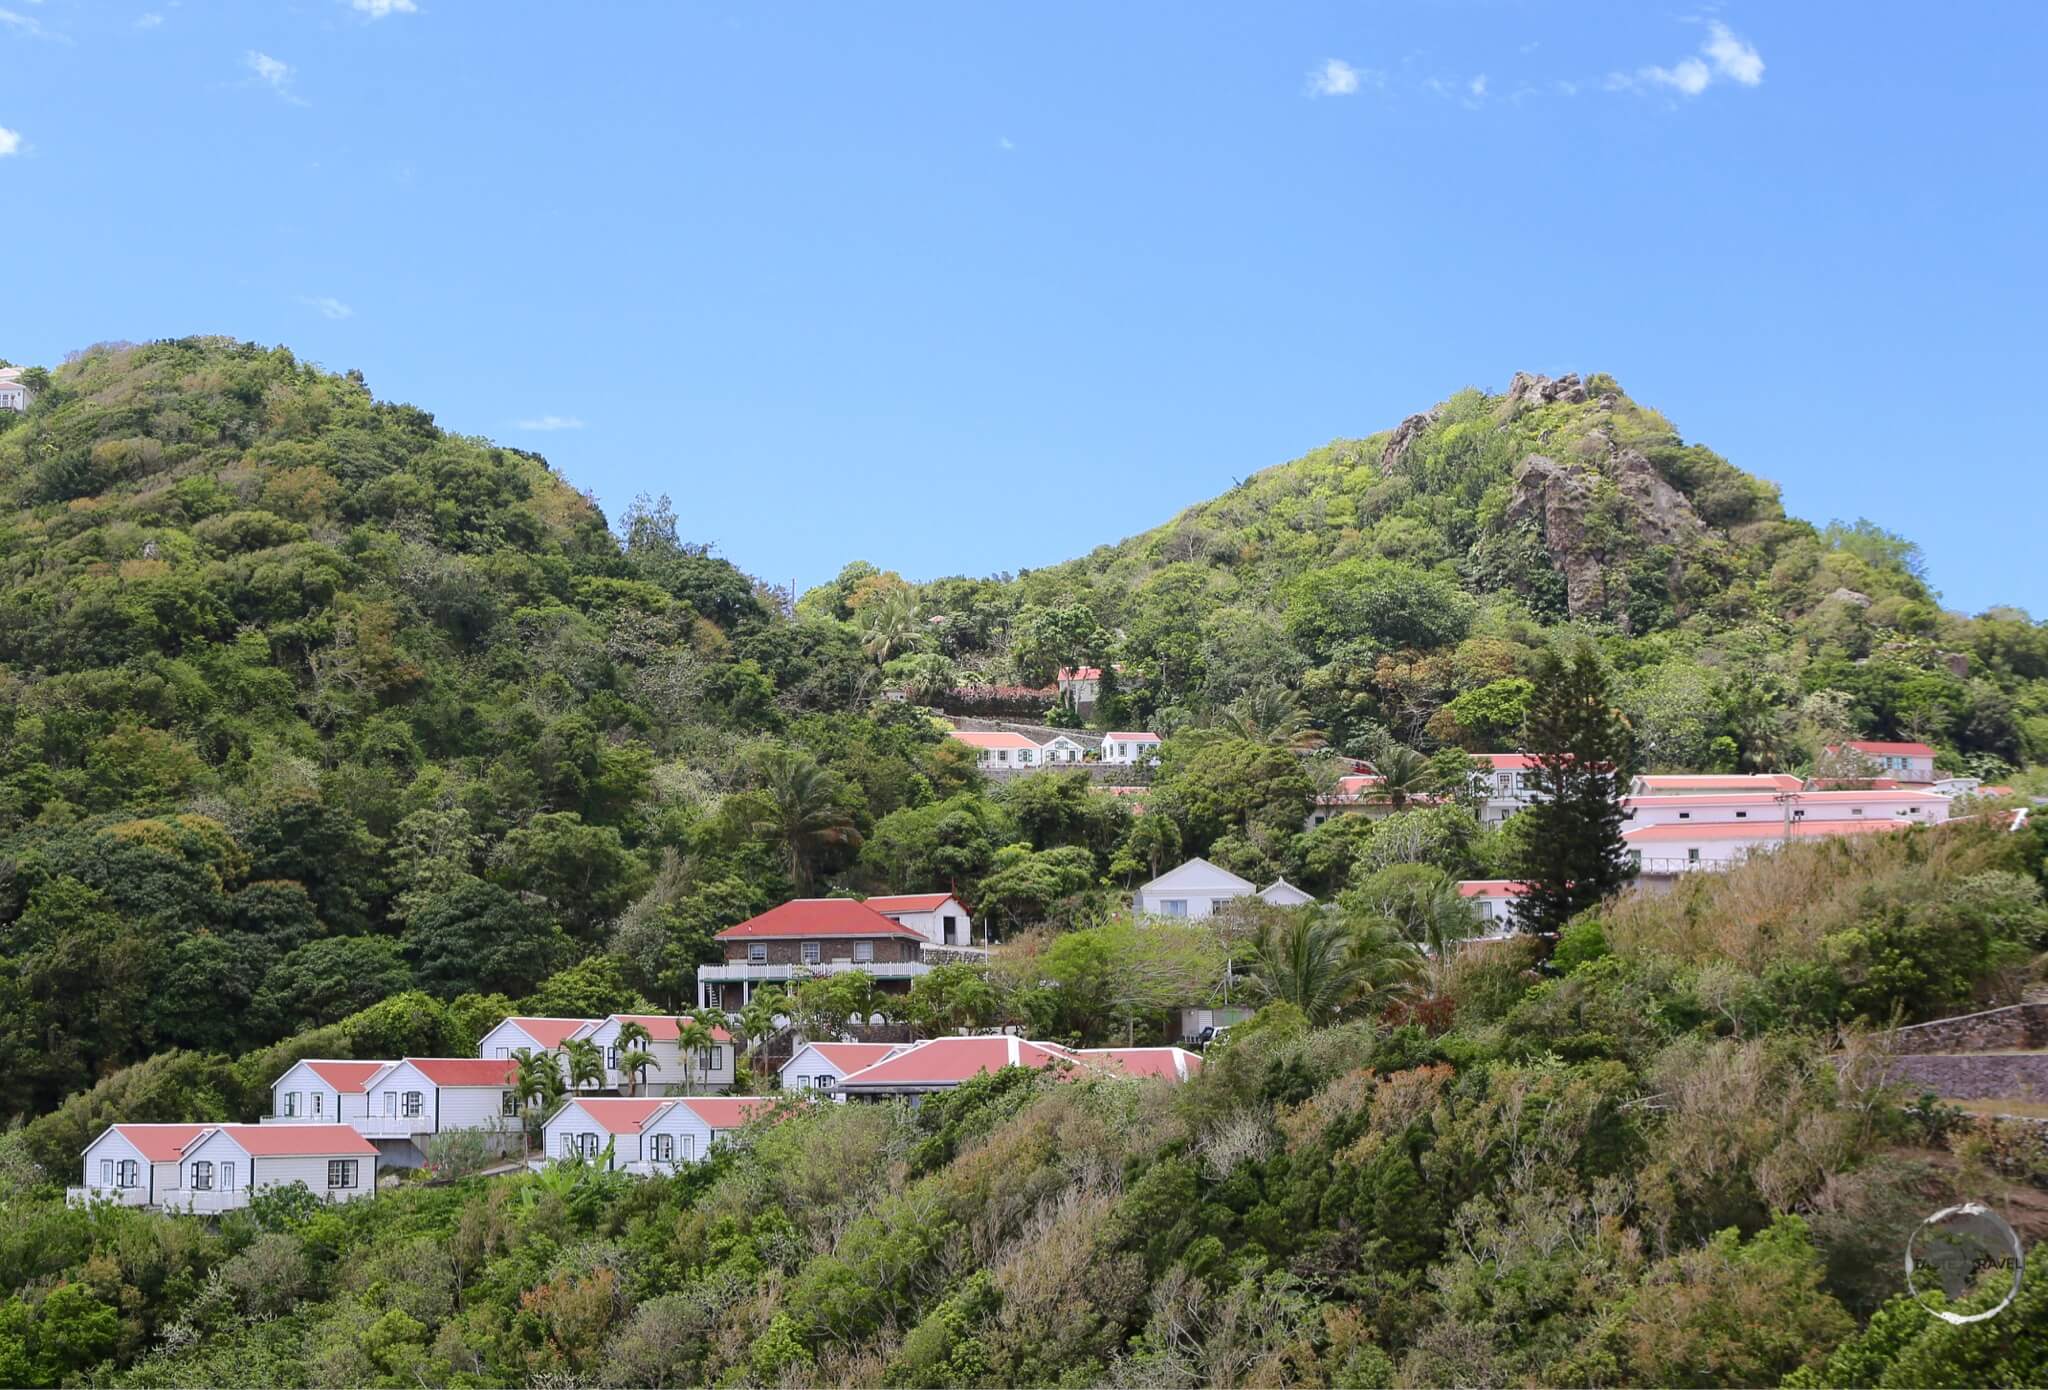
324,732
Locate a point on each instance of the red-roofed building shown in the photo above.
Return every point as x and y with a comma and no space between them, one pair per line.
133,1165
320,1091
1714,783
1126,749
518,1034
1158,1063
1664,851
225,1165
820,1066
1493,899
1908,762
1000,750
1506,784
937,917
707,1067
811,936
1355,794
645,1136
940,1064
404,1102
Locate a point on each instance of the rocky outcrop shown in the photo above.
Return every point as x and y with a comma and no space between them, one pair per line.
1528,389
1592,514
1404,435
1848,596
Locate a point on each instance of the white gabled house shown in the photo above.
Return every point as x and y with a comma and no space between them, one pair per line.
646,1135
1493,902
938,917
134,1165
1281,893
412,1099
821,1066
708,1069
1060,749
1124,749
1194,889
999,751
532,1035
319,1090
225,1165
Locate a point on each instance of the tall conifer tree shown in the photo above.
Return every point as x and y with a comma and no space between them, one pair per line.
1572,853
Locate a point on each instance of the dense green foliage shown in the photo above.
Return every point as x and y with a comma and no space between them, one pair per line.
324,732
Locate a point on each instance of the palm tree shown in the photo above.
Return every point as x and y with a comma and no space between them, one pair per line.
1268,712
1404,773
691,1038
893,623
537,1077
801,806
635,1056
586,1063
1307,961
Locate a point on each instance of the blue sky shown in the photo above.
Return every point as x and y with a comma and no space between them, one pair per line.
970,288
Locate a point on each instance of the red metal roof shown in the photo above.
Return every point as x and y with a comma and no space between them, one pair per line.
1080,673
465,1071
346,1076
976,738
1895,750
1725,782
810,917
1507,762
1763,830
299,1141
1167,1063
621,1116
909,902
157,1143
950,1061
1491,888
1841,797
664,1028
1137,737
548,1032
724,1112
848,1057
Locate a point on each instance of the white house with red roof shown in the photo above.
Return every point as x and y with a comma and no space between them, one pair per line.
414,1098
1125,749
1353,794
1062,749
14,394
222,1167
1153,1063
1680,831
999,750
707,1068
806,937
1193,890
320,1090
1714,783
820,1066
1082,685
938,917
1506,784
645,1135
1493,899
940,1064
135,1165
1907,762
532,1035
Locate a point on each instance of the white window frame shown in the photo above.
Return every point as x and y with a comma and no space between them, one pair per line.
202,1176
812,952
291,1104
508,1105
106,1172
709,1058
864,952
227,1175
757,953
415,1105
344,1169
663,1148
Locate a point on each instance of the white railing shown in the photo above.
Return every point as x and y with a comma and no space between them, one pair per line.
207,1201
764,970
98,1192
391,1126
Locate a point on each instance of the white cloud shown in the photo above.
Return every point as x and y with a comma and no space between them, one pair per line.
1722,55
329,306
1005,143
1734,57
10,142
1335,78
552,422
273,73
378,9
28,24
1477,87
151,20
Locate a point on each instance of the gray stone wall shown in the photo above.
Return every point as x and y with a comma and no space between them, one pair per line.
2020,1026
1975,1076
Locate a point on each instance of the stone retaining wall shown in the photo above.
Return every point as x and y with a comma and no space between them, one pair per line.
1975,1076
2020,1026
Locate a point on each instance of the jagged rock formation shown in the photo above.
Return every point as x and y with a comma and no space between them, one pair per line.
1528,389
1405,434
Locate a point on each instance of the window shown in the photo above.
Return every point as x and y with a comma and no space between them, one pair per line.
709,1058
812,952
1685,815
414,1104
129,1174
589,1145
863,950
1174,907
948,923
106,1172
1742,815
664,1148
508,1104
318,1100
689,1148
227,1177
202,1177
611,1057
825,1082
1692,856
1002,755
757,953
341,1172
291,1102
714,996
1855,810
568,1145
504,1054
